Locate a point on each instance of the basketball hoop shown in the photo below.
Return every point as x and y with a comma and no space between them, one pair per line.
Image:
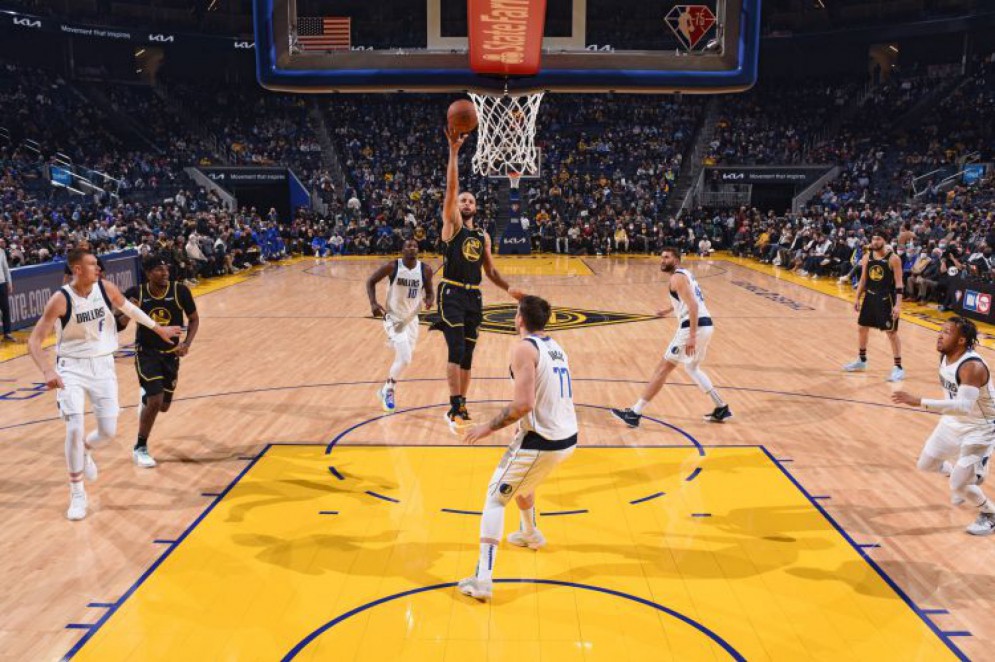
506,131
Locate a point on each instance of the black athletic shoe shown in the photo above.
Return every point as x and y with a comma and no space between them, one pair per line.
719,414
627,416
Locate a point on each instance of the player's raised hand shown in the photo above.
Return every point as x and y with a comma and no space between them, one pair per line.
167,333
455,139
477,433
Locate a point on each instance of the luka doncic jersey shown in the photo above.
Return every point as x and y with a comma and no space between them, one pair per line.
464,256
880,276
166,310
553,417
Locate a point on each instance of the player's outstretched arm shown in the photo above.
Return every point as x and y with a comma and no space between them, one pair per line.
371,288
54,309
451,220
494,275
167,333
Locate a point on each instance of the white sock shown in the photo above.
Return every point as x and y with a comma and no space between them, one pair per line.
528,517
76,487
714,395
485,565
640,406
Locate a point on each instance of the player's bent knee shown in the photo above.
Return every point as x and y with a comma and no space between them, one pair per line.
929,464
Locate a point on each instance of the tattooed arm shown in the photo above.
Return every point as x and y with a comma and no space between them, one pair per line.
524,358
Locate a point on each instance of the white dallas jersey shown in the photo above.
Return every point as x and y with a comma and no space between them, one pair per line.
553,417
680,307
405,291
984,408
88,329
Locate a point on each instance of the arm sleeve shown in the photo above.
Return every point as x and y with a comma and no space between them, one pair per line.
962,404
136,313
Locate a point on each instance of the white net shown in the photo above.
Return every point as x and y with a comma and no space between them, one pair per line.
506,131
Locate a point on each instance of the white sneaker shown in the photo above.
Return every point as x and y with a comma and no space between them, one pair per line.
142,458
983,526
77,506
477,589
897,374
855,366
386,396
533,541
89,468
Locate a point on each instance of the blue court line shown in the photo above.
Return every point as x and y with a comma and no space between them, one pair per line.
872,545
958,633
701,514
935,611
102,605
381,496
563,512
335,472
822,496
726,646
461,512
164,542
881,573
81,626
328,512
745,389
210,494
155,564
694,474
784,459
246,457
646,498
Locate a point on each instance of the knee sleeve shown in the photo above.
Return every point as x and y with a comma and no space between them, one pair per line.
965,473
402,359
455,343
468,346
698,377
74,443
106,429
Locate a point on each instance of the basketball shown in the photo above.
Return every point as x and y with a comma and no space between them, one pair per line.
462,116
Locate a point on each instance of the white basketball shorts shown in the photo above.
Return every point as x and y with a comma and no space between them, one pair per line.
522,471
676,352
396,333
96,378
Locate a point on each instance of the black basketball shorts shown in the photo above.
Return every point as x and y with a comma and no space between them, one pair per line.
461,309
157,372
875,312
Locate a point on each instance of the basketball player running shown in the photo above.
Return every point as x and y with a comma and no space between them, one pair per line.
86,339
410,281
961,444
881,279
546,437
157,361
467,252
694,331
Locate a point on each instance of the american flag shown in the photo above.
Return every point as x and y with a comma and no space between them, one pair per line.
323,33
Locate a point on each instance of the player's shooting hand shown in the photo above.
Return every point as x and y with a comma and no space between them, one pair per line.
904,398
477,433
52,380
455,139
378,310
167,333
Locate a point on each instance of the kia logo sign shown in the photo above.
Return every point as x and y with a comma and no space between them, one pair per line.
516,240
245,45
162,38
733,175
27,23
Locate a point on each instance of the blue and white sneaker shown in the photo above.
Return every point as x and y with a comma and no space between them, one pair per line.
897,374
386,395
855,366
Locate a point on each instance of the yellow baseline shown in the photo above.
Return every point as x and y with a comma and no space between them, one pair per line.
654,554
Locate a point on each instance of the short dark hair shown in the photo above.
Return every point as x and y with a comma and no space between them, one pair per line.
76,255
880,232
673,250
535,312
967,330
152,261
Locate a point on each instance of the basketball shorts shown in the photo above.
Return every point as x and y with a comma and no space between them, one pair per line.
95,378
398,333
158,372
676,352
521,471
875,312
462,309
953,438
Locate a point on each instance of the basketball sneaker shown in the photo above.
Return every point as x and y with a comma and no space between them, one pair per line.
855,366
534,540
719,415
477,589
983,526
897,374
627,416
77,505
386,395
89,468
457,420
141,458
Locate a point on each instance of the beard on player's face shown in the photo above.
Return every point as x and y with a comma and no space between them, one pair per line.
467,214
666,267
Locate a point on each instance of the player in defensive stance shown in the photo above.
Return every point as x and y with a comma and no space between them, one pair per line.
547,435
410,282
961,444
86,339
694,331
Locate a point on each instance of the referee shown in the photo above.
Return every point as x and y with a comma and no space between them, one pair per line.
467,252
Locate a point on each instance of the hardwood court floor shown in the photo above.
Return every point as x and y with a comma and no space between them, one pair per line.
292,357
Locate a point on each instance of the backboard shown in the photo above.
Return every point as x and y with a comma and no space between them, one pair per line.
652,46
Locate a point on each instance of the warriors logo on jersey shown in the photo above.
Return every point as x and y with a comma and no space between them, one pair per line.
473,248
876,272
